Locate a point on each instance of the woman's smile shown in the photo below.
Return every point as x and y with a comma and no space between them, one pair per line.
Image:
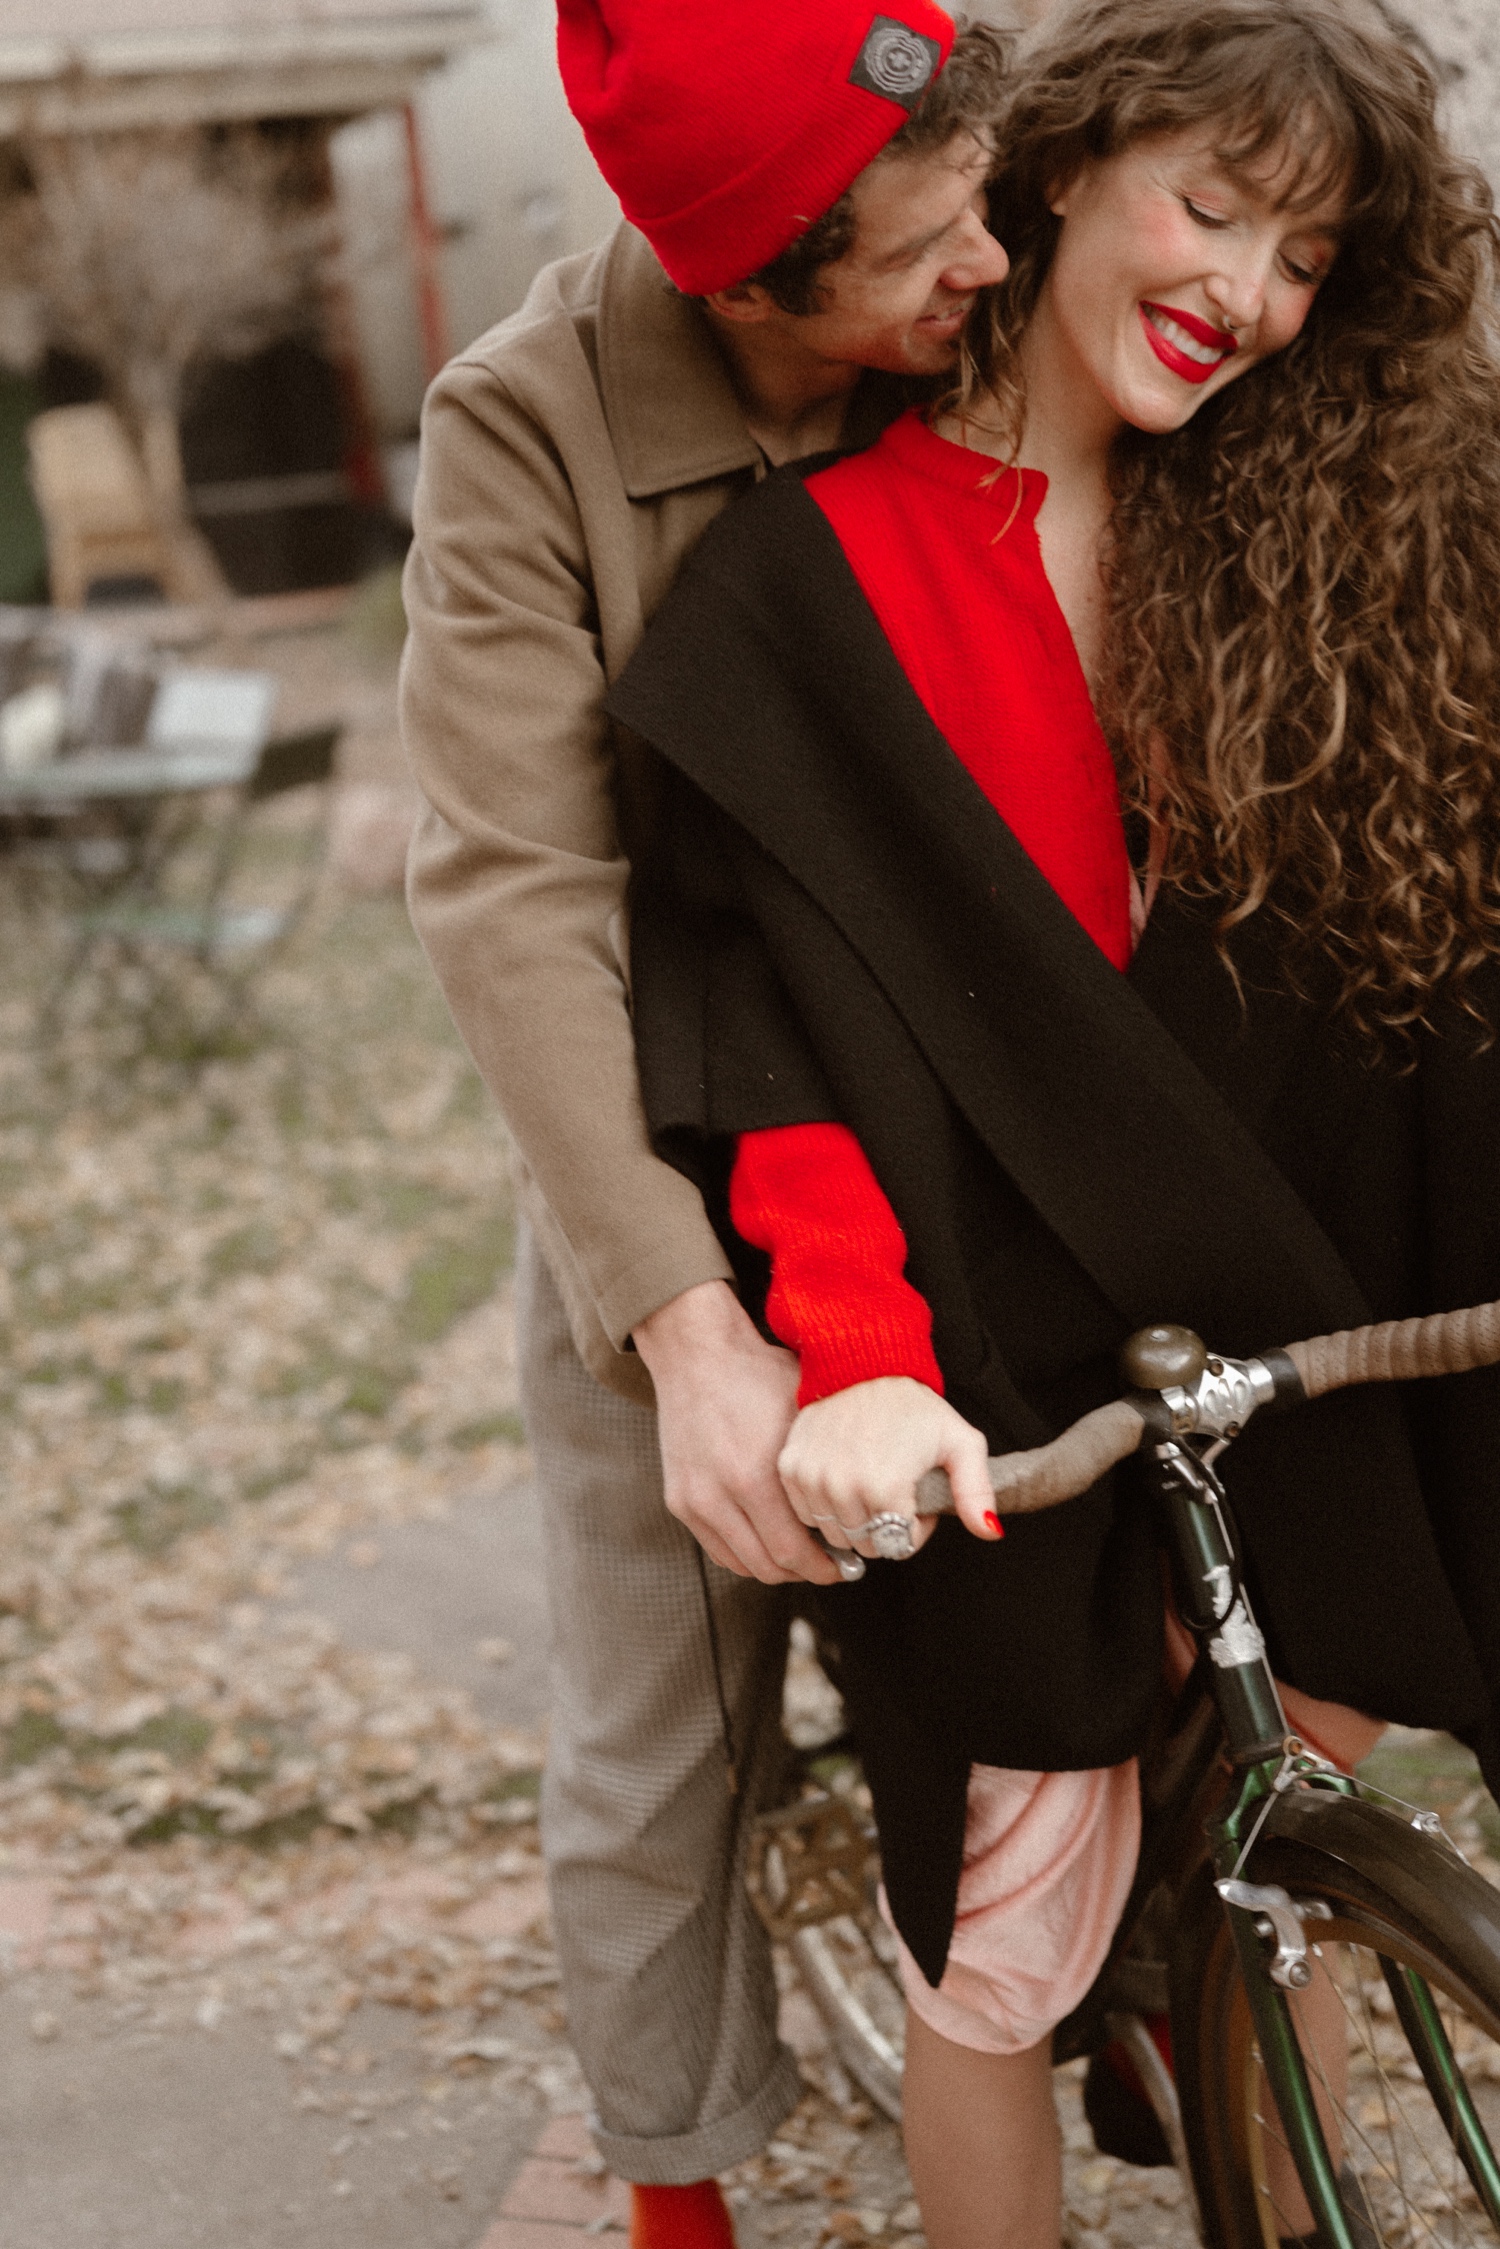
1175,272
1191,348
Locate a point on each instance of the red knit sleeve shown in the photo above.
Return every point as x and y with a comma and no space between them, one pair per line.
839,1297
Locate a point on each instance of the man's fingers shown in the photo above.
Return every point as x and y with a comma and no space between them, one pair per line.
739,1535
715,1549
777,1550
790,1541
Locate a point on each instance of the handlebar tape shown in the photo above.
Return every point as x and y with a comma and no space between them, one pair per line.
1025,1482
1393,1351
1400,1350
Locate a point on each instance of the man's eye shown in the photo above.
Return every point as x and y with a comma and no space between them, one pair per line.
1196,212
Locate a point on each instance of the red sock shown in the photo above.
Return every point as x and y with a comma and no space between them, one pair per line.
694,2217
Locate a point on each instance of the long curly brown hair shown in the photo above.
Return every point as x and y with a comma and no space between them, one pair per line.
1304,581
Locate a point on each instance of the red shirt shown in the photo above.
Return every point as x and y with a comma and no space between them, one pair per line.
943,542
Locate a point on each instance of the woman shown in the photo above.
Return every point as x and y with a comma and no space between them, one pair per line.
1080,907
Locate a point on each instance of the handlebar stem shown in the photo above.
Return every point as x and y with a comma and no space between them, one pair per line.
1212,1600
1225,1395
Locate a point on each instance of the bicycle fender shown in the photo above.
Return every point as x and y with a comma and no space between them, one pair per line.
1418,1871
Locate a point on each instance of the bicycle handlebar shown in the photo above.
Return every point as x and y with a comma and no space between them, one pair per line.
1390,1351
1029,1481
1400,1350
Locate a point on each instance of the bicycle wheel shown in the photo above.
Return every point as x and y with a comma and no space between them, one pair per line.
1406,2069
848,1971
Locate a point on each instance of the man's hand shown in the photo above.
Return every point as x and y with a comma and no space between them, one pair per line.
725,1401
861,1452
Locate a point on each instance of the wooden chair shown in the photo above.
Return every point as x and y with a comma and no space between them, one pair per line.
97,508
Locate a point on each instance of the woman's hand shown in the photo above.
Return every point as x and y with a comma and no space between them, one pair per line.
860,1452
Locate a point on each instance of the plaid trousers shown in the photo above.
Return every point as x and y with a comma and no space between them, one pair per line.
667,1973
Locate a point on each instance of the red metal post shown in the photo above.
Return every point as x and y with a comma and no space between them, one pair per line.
425,247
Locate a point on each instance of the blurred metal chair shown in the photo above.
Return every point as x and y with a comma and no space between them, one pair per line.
189,920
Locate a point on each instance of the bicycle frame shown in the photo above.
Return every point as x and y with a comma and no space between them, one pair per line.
1267,1759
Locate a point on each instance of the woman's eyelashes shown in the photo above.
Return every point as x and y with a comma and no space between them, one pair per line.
1304,276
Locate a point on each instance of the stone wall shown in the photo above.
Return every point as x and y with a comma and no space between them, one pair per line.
1463,37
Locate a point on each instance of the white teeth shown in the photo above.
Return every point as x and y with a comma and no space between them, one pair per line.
1205,354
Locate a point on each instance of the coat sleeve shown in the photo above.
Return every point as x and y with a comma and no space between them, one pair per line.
720,1047
517,881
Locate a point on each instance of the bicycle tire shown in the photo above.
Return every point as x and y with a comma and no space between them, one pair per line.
1399,1904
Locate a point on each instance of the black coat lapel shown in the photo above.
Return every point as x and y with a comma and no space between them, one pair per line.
768,682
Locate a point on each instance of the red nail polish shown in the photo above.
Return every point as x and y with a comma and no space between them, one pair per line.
993,1523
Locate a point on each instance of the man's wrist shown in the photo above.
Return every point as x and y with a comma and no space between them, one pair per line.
702,1317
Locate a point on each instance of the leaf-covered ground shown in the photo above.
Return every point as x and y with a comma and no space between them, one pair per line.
254,1305
249,1303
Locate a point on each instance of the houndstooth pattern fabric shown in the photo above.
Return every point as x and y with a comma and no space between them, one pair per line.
666,1972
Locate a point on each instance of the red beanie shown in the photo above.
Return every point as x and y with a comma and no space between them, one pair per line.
726,127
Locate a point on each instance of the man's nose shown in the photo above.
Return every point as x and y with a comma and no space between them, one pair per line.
978,263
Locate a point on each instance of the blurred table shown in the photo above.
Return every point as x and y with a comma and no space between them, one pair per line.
106,819
104,776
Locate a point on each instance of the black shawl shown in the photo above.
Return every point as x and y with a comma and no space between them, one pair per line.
838,926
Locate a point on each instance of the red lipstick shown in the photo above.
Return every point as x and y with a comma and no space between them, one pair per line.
1169,351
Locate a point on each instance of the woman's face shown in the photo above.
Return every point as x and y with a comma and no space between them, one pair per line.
1174,275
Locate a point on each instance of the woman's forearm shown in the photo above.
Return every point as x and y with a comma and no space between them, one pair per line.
839,1297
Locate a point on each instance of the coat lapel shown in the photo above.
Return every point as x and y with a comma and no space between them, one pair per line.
768,682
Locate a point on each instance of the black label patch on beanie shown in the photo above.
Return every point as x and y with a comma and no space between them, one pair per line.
896,62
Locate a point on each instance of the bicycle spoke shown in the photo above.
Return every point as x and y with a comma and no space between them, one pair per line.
1384,2082
1270,2130
1400,2159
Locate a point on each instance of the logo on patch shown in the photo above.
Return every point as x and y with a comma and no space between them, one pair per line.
896,62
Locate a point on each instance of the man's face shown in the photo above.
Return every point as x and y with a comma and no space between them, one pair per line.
899,299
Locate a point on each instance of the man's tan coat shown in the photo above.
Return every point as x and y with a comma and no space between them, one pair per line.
570,459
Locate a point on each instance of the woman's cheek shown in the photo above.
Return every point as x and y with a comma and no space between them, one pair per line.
1283,322
1161,242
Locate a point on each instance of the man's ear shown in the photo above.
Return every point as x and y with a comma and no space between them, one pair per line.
747,303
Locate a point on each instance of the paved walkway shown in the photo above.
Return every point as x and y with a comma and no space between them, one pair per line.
186,2100
181,2112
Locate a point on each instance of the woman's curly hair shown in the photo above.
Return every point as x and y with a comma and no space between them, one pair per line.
1303,687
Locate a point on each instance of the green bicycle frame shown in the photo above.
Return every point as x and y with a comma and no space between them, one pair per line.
1213,1603
1428,2040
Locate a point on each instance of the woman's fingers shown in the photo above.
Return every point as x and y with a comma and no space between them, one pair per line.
860,1453
968,1467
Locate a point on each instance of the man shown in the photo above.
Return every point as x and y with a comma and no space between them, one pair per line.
806,190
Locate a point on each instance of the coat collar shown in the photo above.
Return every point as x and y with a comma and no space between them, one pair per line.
672,413
767,680
673,416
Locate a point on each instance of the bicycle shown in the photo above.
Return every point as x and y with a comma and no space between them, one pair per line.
1268,1882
